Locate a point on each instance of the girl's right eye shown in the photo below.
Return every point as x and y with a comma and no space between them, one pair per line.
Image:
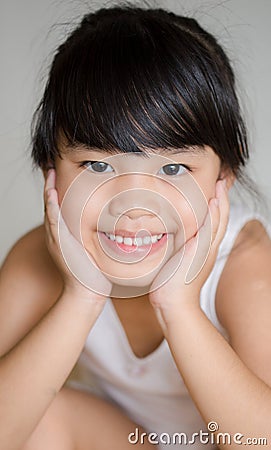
97,166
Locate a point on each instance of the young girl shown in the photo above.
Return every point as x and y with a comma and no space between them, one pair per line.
141,272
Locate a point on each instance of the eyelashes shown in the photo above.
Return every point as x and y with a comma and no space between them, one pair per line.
97,166
173,169
100,167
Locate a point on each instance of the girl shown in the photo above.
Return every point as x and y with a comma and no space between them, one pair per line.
140,270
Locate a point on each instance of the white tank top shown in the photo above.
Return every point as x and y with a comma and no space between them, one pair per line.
150,390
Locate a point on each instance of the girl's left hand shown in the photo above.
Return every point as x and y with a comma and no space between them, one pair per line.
170,297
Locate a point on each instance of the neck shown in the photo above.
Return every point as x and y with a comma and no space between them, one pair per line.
129,292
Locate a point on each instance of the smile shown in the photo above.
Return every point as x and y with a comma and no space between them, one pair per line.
131,244
134,240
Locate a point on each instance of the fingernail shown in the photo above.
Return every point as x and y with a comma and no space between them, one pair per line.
221,186
50,171
224,183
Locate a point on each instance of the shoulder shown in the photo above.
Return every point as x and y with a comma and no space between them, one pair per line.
243,301
30,258
29,285
246,278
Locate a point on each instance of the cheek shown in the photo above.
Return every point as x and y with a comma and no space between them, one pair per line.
79,207
90,215
94,215
188,223
64,178
61,188
194,212
191,208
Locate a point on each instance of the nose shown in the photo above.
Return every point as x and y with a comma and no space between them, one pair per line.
136,213
135,203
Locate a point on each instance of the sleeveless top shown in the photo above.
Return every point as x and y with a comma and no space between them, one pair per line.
150,390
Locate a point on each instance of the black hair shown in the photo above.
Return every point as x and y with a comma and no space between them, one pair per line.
129,79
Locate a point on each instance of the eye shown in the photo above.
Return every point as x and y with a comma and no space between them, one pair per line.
173,169
98,166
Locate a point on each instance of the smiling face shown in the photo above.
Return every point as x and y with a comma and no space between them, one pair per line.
134,211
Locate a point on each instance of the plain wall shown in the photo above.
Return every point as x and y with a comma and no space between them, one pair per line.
30,30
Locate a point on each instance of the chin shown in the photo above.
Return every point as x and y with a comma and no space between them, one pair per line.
132,276
133,287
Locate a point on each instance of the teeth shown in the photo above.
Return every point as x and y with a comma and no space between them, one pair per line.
128,241
138,241
147,240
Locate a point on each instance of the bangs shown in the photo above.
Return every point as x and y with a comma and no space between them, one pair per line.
129,79
130,87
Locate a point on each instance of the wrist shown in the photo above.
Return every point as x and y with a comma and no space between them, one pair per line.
173,315
81,294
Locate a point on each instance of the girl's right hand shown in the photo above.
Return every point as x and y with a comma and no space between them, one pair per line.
87,272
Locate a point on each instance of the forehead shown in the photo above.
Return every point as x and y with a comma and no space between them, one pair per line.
191,152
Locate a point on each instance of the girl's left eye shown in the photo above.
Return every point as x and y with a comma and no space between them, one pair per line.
173,169
98,166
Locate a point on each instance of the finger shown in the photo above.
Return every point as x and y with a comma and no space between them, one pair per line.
49,183
202,243
51,206
198,247
51,178
224,207
214,211
175,264
52,210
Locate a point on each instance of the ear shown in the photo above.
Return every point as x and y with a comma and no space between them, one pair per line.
228,175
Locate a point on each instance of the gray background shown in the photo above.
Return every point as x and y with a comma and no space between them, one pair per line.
30,30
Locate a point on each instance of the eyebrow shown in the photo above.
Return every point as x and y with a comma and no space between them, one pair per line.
193,151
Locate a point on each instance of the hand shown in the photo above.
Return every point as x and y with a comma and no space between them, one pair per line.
180,289
81,272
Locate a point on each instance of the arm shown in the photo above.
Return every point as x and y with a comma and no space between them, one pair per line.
222,387
243,301
33,371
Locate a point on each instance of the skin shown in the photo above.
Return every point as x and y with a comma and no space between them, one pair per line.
194,342
165,200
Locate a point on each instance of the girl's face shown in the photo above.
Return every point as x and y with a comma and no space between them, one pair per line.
134,211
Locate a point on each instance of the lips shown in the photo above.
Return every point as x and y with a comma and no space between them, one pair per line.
132,244
134,240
